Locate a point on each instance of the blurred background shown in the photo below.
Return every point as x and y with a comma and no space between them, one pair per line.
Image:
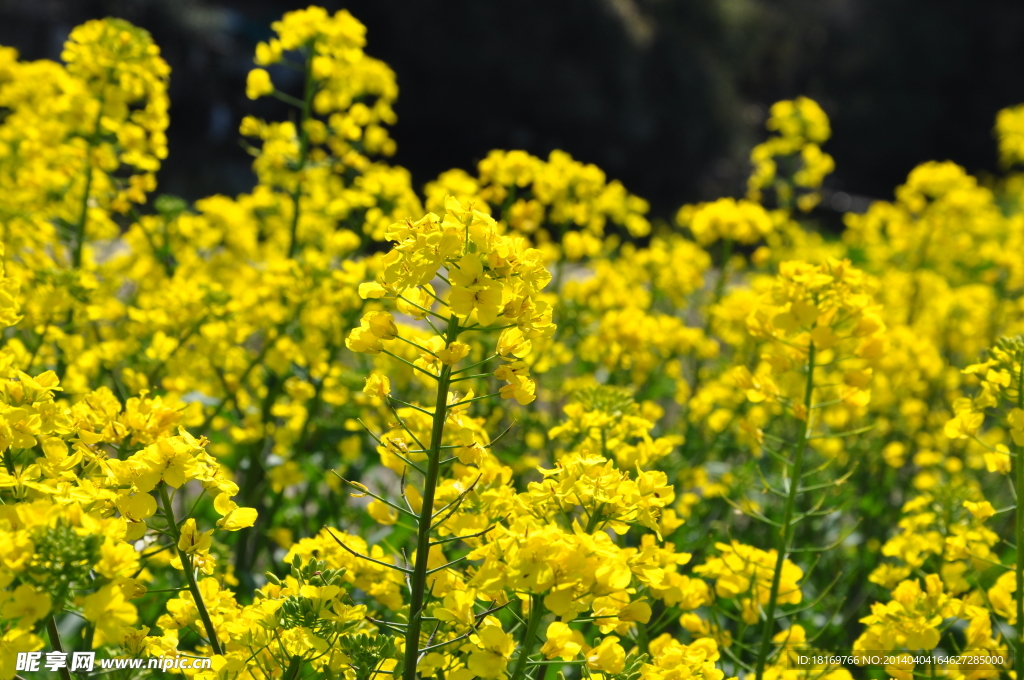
666,95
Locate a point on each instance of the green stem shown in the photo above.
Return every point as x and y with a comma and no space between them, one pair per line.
1018,465
292,672
248,545
723,277
642,638
786,533
595,519
190,576
83,218
84,214
51,628
303,152
716,297
418,583
532,624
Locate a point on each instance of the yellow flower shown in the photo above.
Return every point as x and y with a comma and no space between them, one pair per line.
491,650
110,612
15,640
562,642
382,512
363,340
381,324
726,219
982,510
258,84
964,425
117,559
234,517
378,386
192,540
607,657
453,353
999,461
26,606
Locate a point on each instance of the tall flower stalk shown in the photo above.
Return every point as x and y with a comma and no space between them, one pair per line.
492,282
814,318
1002,387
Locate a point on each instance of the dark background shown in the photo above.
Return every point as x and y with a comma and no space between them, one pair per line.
666,95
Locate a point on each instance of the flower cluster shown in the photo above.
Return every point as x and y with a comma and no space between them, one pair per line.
801,128
560,202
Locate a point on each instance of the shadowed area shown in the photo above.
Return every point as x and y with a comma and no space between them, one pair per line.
666,95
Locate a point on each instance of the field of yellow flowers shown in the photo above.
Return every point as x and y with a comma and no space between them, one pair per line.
503,427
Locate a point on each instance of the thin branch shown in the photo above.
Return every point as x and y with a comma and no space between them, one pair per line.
366,557
364,490
446,566
454,505
478,534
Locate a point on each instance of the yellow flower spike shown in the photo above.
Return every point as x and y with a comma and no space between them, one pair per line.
799,118
1010,132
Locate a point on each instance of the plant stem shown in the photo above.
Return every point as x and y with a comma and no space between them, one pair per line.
532,624
723,277
84,215
716,297
303,152
1018,465
418,583
785,532
51,628
294,667
190,576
